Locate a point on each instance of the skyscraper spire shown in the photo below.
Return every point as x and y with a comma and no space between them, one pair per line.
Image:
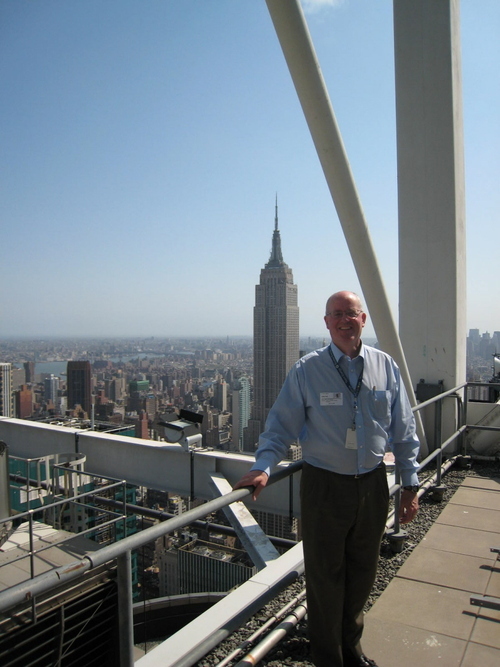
276,334
276,258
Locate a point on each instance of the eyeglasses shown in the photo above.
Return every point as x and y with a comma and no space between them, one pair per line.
350,314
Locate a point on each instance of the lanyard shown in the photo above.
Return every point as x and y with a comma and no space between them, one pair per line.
354,392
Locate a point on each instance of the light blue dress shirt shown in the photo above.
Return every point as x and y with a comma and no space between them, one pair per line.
316,408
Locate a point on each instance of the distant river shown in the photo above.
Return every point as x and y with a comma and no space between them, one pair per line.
58,368
51,367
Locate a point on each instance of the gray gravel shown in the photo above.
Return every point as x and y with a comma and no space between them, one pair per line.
294,650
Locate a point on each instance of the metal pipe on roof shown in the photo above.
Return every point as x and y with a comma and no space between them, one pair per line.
298,49
262,629
274,637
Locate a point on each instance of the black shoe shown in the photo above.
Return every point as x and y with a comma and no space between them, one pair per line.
362,661
366,662
351,660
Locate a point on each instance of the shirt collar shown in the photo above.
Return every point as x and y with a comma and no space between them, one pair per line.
338,354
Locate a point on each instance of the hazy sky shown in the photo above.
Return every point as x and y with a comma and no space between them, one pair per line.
143,142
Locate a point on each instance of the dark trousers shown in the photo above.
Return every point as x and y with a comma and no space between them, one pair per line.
343,522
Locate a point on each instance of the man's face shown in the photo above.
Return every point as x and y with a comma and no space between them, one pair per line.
345,321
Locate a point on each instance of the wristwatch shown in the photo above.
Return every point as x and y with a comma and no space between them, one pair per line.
413,488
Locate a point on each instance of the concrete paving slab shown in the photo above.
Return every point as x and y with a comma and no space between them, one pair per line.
479,656
470,517
492,483
433,608
455,539
487,629
493,588
442,568
14,556
12,575
393,645
482,498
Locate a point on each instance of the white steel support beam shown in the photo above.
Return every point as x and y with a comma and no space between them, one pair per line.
256,543
431,193
298,49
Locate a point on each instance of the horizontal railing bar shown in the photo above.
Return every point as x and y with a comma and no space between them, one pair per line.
137,540
438,397
27,590
64,501
162,515
483,428
437,451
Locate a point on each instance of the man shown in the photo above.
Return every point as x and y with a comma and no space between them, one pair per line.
347,406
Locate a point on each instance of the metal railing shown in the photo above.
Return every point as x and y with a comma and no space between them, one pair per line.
436,455
121,550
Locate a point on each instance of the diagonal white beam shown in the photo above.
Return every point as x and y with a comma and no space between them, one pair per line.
298,49
253,538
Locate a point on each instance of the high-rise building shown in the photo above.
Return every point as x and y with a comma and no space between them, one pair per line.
276,329
6,396
220,395
24,402
142,426
51,388
241,411
29,370
117,389
475,336
79,382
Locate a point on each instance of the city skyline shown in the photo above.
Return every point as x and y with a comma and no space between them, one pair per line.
53,389
144,144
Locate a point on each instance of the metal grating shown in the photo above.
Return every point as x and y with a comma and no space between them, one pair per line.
81,631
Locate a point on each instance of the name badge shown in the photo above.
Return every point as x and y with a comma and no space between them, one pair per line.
331,398
351,440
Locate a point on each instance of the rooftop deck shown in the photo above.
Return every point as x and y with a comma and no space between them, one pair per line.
425,616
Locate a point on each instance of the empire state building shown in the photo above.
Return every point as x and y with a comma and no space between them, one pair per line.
276,329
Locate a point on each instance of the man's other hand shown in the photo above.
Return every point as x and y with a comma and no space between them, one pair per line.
256,478
408,506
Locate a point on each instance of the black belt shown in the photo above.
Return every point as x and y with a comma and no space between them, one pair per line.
345,476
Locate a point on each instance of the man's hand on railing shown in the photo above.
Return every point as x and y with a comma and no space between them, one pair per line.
256,478
408,506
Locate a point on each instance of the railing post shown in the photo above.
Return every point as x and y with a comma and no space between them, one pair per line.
438,416
397,536
191,476
125,615
439,488
32,560
124,491
465,407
